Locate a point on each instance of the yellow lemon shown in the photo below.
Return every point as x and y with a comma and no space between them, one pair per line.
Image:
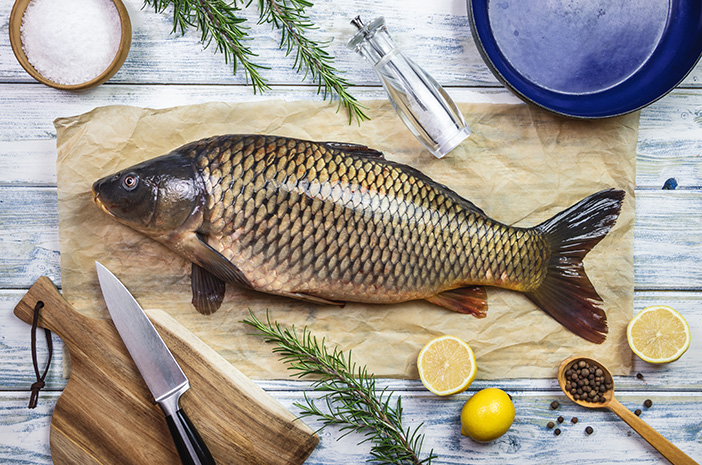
658,334
446,365
487,415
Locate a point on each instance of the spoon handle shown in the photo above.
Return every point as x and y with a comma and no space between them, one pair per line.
665,447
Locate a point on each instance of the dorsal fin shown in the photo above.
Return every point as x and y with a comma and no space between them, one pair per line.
356,149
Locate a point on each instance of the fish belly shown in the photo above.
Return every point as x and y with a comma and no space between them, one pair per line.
303,217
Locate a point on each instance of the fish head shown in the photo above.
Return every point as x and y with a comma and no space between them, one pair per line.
155,197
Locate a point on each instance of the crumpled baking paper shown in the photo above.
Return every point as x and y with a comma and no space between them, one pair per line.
521,165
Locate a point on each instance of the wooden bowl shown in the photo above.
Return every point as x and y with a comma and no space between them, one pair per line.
125,42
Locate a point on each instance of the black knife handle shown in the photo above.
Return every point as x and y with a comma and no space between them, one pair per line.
191,448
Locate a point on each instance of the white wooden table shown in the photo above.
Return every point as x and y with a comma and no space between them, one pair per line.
163,70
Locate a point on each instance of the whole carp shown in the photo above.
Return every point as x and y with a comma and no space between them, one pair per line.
332,222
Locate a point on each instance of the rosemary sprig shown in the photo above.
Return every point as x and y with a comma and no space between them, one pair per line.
218,22
350,397
311,57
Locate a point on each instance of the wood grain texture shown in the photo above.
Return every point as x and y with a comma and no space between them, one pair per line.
27,135
529,441
653,437
438,39
17,372
164,70
106,414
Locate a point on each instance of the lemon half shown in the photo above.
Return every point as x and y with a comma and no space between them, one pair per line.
658,334
446,365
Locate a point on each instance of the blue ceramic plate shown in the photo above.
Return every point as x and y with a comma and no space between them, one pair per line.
589,58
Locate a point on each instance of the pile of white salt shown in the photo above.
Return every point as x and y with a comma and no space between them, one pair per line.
70,41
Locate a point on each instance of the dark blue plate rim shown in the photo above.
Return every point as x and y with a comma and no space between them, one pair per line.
501,69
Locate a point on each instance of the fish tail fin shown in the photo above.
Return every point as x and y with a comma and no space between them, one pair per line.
566,293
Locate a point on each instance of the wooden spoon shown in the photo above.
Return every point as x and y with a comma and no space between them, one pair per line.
665,447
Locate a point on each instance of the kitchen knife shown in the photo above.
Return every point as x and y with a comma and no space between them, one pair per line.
162,374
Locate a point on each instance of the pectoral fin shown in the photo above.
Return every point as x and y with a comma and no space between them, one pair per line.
199,252
208,290
471,300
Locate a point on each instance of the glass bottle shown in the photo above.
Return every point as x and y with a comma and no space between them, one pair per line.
423,105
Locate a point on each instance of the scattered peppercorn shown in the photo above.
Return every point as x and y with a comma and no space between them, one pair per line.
550,425
555,405
560,420
557,431
589,430
574,420
637,412
639,375
648,403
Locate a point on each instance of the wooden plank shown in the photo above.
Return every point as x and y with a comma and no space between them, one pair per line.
16,372
16,369
669,141
28,162
24,122
666,238
24,433
27,135
437,38
667,254
29,241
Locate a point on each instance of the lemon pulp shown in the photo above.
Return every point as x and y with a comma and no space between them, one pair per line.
446,365
658,334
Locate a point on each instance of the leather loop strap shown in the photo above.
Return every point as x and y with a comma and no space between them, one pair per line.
39,384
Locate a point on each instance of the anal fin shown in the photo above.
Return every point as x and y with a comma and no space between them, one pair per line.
472,300
208,290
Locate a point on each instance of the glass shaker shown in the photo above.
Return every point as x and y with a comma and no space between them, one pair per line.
421,102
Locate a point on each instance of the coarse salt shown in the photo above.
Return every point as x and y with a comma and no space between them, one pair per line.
70,41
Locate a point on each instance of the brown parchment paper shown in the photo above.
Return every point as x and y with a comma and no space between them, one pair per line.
521,165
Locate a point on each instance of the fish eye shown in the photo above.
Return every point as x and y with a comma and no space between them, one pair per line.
130,181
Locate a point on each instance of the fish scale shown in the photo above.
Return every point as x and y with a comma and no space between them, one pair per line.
390,255
331,222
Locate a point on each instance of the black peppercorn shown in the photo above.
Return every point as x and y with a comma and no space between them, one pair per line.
588,382
559,419
557,431
574,420
648,403
554,405
550,425
589,430
637,412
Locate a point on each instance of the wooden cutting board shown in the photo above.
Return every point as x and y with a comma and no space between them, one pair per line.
106,414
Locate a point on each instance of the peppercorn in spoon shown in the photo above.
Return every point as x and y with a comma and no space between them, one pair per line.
579,376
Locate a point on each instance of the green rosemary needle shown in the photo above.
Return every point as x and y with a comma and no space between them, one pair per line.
349,395
218,22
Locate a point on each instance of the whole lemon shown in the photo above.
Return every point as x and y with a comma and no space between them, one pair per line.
487,415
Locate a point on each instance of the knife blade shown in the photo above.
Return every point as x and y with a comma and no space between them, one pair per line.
162,374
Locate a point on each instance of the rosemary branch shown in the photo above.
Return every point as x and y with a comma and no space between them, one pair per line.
311,57
218,22
350,397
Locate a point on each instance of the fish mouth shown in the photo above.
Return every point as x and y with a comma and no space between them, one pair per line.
98,201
